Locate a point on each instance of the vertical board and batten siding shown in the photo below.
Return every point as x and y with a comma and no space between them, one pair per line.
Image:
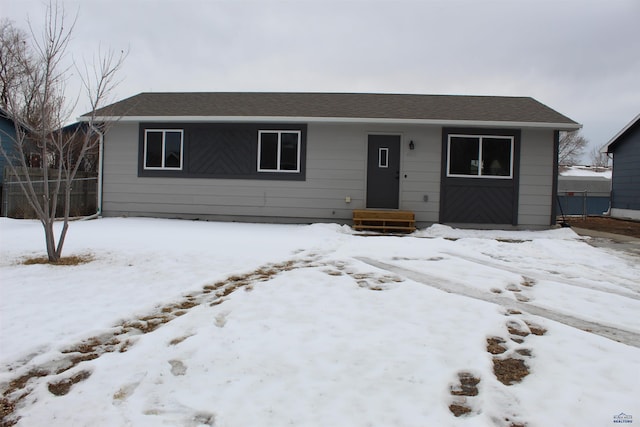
536,178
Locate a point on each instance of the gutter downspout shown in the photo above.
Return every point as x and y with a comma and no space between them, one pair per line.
100,172
555,201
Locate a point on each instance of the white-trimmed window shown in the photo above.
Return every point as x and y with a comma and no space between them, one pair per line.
480,156
278,151
163,149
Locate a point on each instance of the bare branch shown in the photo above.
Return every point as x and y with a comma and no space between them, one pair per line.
598,159
572,146
34,75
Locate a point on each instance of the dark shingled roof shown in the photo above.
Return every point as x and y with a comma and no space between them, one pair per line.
338,106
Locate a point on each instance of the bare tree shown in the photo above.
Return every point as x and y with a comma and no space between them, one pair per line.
37,104
13,51
572,146
598,159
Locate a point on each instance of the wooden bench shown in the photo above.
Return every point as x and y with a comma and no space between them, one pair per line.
384,221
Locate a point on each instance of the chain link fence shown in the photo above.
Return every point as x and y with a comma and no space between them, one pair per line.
583,203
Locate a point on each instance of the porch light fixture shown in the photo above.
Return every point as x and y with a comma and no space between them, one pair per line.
411,145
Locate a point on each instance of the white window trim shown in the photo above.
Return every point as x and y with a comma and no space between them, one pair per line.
380,151
480,160
164,132
279,133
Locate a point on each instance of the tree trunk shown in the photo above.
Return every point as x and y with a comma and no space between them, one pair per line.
50,241
36,105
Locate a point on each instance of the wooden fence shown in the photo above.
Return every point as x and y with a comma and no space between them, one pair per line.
83,194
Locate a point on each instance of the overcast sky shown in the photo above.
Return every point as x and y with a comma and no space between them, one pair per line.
580,57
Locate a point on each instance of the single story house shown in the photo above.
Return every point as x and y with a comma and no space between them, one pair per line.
625,180
316,157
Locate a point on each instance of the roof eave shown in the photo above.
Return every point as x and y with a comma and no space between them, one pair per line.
612,141
271,119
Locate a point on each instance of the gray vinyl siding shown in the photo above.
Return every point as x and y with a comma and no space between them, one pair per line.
239,199
345,145
335,169
536,178
626,171
421,167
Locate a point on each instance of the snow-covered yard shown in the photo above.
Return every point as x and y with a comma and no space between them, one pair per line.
187,323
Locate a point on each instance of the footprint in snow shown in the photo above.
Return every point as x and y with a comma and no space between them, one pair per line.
177,367
221,319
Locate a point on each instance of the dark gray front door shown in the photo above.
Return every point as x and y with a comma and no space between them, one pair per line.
383,171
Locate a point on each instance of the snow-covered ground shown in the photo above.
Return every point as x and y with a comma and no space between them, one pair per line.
586,171
324,327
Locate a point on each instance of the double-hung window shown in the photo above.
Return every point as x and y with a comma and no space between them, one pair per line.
163,149
278,151
480,156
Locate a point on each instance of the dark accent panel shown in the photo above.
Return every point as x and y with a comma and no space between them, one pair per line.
480,200
223,150
383,183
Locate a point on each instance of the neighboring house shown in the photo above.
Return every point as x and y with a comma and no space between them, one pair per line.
13,201
625,184
308,157
7,139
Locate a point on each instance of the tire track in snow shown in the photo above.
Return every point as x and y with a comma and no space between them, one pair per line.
534,275
450,286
